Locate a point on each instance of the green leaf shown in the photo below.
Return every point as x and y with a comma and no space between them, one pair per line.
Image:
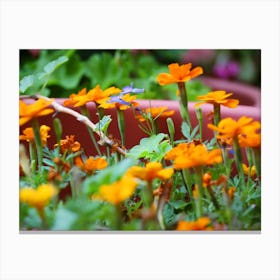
64,219
106,176
50,67
26,83
186,130
104,124
146,146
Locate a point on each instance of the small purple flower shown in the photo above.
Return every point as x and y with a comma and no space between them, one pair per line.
130,89
117,99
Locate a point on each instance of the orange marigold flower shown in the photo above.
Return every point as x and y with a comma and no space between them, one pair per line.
126,102
217,97
119,191
28,134
94,95
151,171
28,112
202,223
250,137
197,156
155,112
179,150
229,128
39,197
179,73
69,144
91,164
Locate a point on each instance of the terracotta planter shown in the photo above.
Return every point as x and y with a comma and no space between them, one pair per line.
249,106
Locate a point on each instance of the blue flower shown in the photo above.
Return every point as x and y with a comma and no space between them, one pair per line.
130,89
117,99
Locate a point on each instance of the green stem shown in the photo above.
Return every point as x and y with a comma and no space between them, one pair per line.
217,114
186,176
184,109
171,130
238,159
121,125
85,112
198,200
38,141
32,154
215,202
257,160
199,117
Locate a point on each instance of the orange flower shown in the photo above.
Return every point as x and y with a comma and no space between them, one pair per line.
151,171
69,144
179,150
179,74
231,192
200,224
155,112
127,98
91,164
37,109
39,197
250,137
229,128
217,97
119,191
207,179
197,156
28,134
94,95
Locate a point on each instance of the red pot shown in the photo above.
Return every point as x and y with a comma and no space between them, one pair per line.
249,106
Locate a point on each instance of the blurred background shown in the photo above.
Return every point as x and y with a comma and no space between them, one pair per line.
87,68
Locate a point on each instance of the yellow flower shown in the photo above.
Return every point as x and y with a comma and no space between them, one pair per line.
94,95
246,170
202,223
229,128
69,144
151,171
155,112
91,164
121,104
231,192
119,191
28,134
197,156
39,197
218,97
179,74
28,112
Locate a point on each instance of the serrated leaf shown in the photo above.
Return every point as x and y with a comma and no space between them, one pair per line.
50,67
146,146
26,83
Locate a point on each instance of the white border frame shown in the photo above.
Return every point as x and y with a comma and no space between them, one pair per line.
139,24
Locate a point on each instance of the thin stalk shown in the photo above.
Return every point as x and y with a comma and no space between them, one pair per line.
85,112
32,154
121,125
198,199
38,141
212,195
184,109
187,182
257,160
217,114
199,117
238,159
